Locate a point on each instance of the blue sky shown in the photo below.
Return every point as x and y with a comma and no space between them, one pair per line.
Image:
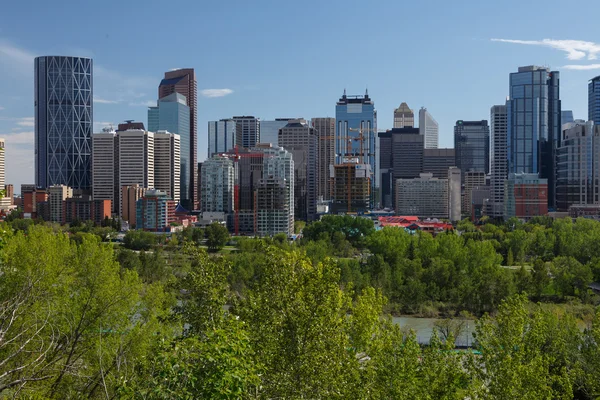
275,58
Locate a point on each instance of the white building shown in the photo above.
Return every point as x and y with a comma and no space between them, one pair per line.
454,194
217,185
167,162
5,202
429,128
499,157
425,197
104,162
136,158
276,214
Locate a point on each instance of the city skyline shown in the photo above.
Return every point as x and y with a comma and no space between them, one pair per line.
123,90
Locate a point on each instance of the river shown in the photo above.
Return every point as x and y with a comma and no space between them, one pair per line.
423,328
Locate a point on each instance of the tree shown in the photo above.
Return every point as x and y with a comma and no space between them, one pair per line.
571,278
217,236
139,240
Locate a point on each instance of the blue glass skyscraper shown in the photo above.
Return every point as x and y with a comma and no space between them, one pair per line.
63,121
172,114
534,124
354,114
594,100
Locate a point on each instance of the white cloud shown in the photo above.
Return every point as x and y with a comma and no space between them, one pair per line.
14,138
98,126
104,101
1,108
147,103
215,92
19,59
581,67
27,121
575,49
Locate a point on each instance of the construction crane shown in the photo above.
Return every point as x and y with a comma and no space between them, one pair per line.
361,139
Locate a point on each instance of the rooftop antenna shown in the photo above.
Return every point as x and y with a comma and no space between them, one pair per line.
367,92
344,92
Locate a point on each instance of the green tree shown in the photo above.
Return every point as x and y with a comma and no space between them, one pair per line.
139,240
217,236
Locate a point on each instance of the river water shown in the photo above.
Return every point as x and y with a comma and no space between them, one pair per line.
424,327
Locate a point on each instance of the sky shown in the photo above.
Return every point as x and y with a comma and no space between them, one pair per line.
274,58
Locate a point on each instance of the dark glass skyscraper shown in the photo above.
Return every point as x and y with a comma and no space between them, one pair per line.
594,100
63,121
472,146
534,123
183,81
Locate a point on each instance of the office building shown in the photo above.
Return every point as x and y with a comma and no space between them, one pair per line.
566,116
166,164
172,114
325,131
136,159
472,180
424,197
355,133
130,194
273,207
63,98
183,81
594,100
437,161
454,194
499,164
269,130
577,159
57,194
300,139
429,128
400,156
155,211
105,176
351,187
218,178
526,196
247,131
83,208
533,124
404,117
480,196
221,136
472,146
6,198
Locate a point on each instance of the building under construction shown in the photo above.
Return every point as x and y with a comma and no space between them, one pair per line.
352,187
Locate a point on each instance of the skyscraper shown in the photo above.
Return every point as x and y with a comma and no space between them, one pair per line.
105,177
472,146
217,184
594,100
404,117
247,131
356,129
172,114
183,81
429,128
566,116
166,164
136,159
533,124
300,139
275,193
6,199
221,136
63,121
325,131
499,166
269,130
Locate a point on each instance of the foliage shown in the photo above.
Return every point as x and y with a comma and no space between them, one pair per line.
139,240
217,236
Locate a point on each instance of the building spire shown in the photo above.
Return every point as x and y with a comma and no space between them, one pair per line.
344,92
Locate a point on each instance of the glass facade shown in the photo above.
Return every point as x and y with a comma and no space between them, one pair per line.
269,130
63,122
356,114
594,100
472,146
221,136
173,115
534,123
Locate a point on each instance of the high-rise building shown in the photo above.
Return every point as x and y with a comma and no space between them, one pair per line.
472,146
199,189
166,164
356,130
247,131
499,163
155,211
5,199
351,187
472,180
454,186
325,131
269,130
273,207
277,164
404,117
566,116
437,161
221,136
63,122
218,178
130,194
83,208
533,124
105,177
300,139
9,193
172,114
56,195
136,159
183,81
577,158
429,128
594,100
425,197
526,196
